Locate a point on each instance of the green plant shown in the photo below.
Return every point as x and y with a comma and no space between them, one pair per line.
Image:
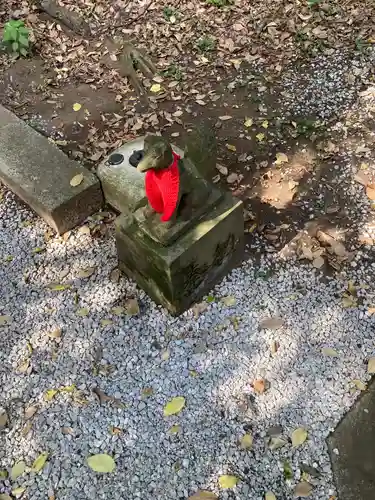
206,43
168,12
361,44
173,71
16,37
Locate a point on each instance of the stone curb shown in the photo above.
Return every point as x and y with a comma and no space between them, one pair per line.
39,173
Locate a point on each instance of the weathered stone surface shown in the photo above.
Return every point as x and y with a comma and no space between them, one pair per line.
165,233
354,440
39,173
181,274
123,185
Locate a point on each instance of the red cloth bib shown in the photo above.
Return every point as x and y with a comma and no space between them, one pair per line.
162,188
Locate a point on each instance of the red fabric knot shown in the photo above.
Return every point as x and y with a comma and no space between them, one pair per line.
162,189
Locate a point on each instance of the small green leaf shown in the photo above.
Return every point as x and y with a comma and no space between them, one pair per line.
39,462
58,288
68,388
23,41
101,463
18,491
288,472
227,481
4,496
50,394
17,470
15,46
174,406
24,31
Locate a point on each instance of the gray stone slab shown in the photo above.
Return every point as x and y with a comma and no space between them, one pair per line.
39,173
354,441
182,273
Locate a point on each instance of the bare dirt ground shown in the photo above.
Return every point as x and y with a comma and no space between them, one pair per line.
281,82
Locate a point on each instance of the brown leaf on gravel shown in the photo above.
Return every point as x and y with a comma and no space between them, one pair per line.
203,495
370,191
260,385
55,334
271,323
86,272
115,275
30,412
104,398
132,307
3,419
24,366
27,428
303,490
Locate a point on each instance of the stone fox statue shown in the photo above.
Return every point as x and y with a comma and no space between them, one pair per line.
175,187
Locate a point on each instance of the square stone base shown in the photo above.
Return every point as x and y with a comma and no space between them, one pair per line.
182,273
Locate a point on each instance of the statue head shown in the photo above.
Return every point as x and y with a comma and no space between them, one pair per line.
157,154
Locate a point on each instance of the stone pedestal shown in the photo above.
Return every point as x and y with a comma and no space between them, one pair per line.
181,273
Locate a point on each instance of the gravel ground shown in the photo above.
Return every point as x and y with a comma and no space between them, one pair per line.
210,358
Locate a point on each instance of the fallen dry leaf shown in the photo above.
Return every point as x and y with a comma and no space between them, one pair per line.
16,492
274,347
39,462
248,122
156,87
3,419
361,386
76,180
203,495
269,496
106,322
115,275
231,147
17,470
50,394
229,301
303,489
103,398
371,365
30,412
77,106
175,429
227,481
86,272
101,463
370,191
83,311
132,307
259,385
276,442
328,351
318,262
223,170
55,334
233,177
246,441
199,308
281,158
225,118
5,320
174,406
299,436
271,323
